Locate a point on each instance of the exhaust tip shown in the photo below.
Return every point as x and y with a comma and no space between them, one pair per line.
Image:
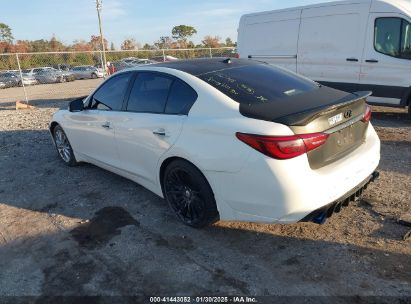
320,218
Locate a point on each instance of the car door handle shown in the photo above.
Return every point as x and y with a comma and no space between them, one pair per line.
160,132
106,125
352,59
371,60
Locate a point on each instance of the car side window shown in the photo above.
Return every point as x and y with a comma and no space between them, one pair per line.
181,98
111,94
392,37
149,93
406,40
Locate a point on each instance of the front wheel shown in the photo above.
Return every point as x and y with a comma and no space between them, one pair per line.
94,75
189,194
63,147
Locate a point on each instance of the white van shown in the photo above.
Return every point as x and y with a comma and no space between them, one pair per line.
362,45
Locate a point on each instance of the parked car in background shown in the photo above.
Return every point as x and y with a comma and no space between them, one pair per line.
120,65
27,79
49,76
86,72
166,58
228,139
14,79
34,71
348,45
68,75
3,85
10,79
62,67
129,59
138,62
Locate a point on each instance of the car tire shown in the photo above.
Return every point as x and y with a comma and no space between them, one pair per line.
94,75
20,83
189,195
63,147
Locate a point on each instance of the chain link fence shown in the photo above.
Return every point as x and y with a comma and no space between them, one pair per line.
35,77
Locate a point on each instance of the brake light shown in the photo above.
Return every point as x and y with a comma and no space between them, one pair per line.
283,147
367,114
236,55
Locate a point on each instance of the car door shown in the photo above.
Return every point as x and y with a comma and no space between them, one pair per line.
91,131
75,72
86,72
386,64
82,72
155,112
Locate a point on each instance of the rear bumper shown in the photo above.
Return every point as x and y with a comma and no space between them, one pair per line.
273,191
320,215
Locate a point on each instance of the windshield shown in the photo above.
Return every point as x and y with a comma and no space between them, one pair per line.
260,83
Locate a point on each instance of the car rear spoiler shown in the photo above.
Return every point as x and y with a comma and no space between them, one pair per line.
303,118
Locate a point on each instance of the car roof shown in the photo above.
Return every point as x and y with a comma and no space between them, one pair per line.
197,67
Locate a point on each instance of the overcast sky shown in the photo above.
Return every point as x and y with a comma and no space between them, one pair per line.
144,20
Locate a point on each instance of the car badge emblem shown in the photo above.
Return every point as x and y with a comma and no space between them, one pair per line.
348,114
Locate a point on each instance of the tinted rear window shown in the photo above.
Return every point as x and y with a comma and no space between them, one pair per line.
180,98
149,93
259,83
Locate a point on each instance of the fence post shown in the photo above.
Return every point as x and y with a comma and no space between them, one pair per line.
21,78
211,54
103,67
164,56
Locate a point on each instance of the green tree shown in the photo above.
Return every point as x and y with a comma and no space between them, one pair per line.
229,42
148,47
5,33
182,33
165,42
40,45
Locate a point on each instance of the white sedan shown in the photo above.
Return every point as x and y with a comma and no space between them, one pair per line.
228,139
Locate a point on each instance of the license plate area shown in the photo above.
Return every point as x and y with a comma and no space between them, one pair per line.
339,144
345,137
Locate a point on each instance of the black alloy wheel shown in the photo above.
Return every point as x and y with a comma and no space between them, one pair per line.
189,194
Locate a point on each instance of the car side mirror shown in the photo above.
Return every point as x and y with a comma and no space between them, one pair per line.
76,105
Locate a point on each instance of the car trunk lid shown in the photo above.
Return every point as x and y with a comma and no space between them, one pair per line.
329,111
342,121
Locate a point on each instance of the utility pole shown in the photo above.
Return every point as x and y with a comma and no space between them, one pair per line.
103,48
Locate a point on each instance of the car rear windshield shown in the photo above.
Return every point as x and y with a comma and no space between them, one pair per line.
260,83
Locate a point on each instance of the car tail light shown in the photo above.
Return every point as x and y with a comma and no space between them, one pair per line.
236,55
367,114
283,147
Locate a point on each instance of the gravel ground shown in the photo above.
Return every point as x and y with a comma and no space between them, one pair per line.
86,231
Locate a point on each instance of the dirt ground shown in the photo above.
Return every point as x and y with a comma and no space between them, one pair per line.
85,231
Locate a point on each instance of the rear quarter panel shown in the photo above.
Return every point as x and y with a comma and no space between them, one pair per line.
208,138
